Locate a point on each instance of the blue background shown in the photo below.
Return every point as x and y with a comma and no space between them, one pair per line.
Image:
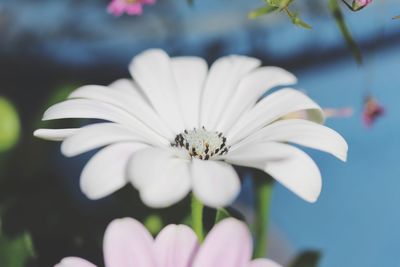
357,218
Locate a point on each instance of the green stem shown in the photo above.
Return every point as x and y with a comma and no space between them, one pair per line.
197,218
339,18
263,192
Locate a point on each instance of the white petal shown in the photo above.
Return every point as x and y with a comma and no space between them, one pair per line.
74,262
264,263
97,135
105,172
287,164
190,74
153,72
176,246
301,132
54,134
215,183
85,108
132,102
250,89
129,86
272,108
221,84
161,177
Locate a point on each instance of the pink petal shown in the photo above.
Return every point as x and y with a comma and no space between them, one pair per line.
116,7
175,246
264,263
148,2
134,9
127,243
228,244
74,262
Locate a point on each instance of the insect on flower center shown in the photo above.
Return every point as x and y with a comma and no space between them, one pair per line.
201,143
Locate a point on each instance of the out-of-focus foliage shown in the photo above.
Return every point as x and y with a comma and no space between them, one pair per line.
279,6
264,10
307,259
153,223
9,125
221,214
272,6
15,252
61,94
57,96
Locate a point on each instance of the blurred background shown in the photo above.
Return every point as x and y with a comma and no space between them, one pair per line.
50,47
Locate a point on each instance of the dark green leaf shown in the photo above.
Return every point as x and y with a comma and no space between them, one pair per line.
307,259
221,214
339,18
16,252
9,125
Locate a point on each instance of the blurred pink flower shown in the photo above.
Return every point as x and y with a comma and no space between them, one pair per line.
127,243
338,112
130,7
372,111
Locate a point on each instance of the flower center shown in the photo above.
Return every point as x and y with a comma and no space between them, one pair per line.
201,143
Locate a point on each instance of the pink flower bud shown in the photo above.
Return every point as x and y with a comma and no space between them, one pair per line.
358,4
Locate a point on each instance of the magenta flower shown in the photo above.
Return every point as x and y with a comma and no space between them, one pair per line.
130,7
372,111
127,243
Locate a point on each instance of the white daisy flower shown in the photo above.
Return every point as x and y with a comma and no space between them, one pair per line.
178,126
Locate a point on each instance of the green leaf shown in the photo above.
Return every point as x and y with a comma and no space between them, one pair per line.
296,20
284,4
221,214
267,9
16,252
307,259
299,22
339,18
9,125
275,3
